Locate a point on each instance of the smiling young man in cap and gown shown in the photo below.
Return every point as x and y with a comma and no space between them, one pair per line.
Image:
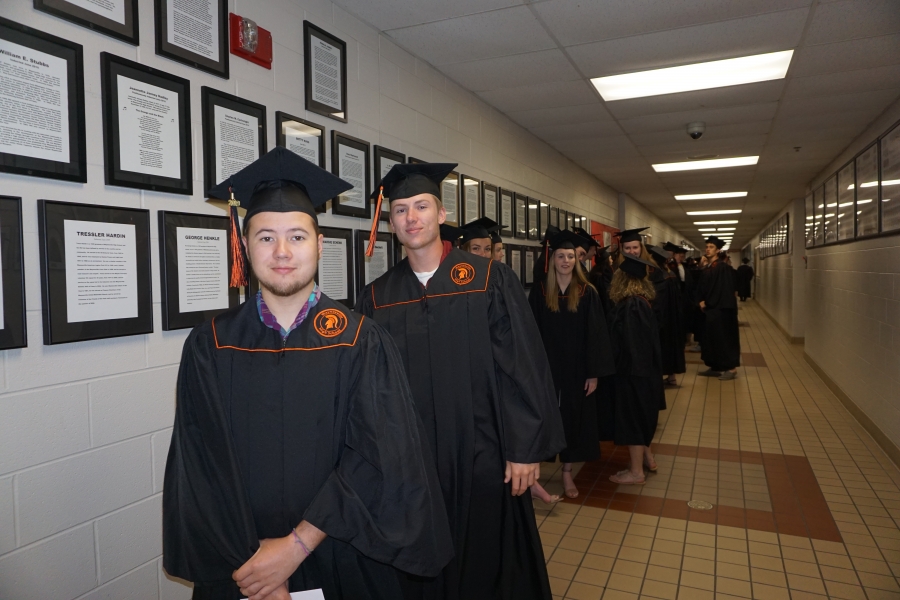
297,459
482,384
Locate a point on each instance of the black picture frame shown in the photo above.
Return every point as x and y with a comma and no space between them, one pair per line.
506,213
384,159
284,122
520,216
490,201
339,233
529,258
450,198
75,169
554,216
14,333
111,67
514,260
360,242
544,211
169,222
339,206
218,66
534,219
210,98
128,32
469,199
313,33
52,215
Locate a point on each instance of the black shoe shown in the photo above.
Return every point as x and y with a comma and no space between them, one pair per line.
710,373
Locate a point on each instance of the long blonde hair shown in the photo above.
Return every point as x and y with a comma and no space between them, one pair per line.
623,286
573,294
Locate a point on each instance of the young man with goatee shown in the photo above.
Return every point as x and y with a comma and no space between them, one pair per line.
297,459
482,385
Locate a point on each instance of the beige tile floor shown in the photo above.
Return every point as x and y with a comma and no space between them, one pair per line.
784,408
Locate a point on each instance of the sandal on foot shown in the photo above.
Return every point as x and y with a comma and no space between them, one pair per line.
626,478
554,499
650,466
570,492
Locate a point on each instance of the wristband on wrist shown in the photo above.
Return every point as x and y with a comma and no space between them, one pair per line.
299,541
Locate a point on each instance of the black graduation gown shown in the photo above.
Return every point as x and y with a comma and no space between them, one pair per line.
744,277
640,394
481,382
601,278
578,348
320,427
721,346
669,311
693,315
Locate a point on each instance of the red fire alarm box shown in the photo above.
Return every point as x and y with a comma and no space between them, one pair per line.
250,41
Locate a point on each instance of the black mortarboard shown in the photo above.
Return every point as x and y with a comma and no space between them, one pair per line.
495,233
566,239
635,267
603,253
449,233
550,232
674,248
477,229
630,235
591,242
714,240
277,181
659,255
406,180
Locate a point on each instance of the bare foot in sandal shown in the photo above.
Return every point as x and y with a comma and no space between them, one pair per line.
538,491
569,486
626,477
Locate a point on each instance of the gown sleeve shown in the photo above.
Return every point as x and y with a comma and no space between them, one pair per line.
530,421
639,333
383,497
536,301
208,527
364,302
599,360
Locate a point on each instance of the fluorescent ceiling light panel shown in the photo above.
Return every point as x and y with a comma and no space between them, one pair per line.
711,196
707,229
699,76
715,222
726,228
698,213
715,163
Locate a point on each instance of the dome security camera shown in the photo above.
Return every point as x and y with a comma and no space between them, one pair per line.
696,129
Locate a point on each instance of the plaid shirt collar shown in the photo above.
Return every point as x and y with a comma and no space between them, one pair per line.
269,320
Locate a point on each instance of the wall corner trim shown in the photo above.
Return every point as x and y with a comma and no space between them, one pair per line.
886,444
788,336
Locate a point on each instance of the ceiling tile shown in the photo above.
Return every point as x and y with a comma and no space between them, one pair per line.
394,14
543,95
546,117
738,95
544,66
713,117
577,22
723,147
765,33
475,37
713,134
879,78
869,101
592,129
846,56
853,19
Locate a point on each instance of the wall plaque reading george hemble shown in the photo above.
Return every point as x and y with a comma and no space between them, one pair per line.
325,73
194,263
42,95
194,33
234,135
146,127
95,271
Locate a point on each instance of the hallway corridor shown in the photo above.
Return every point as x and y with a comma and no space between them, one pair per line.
805,504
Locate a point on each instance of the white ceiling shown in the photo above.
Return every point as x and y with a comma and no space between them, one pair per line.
532,60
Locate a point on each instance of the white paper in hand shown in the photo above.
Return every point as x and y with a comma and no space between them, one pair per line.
307,595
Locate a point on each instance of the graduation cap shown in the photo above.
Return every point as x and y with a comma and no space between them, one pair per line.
714,240
630,235
566,240
674,248
477,229
591,242
603,253
405,181
495,233
451,234
658,254
545,242
278,181
635,267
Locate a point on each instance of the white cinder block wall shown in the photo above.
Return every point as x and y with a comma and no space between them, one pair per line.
85,427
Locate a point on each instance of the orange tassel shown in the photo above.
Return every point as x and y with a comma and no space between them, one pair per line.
370,249
238,252
546,255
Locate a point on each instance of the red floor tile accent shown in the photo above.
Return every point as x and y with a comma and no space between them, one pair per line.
798,505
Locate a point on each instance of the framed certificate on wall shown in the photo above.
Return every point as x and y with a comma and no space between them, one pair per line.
42,76
304,138
115,18
370,268
146,127
234,135
193,33
471,198
385,160
489,204
521,216
350,162
506,212
325,75
450,197
13,330
534,219
335,274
